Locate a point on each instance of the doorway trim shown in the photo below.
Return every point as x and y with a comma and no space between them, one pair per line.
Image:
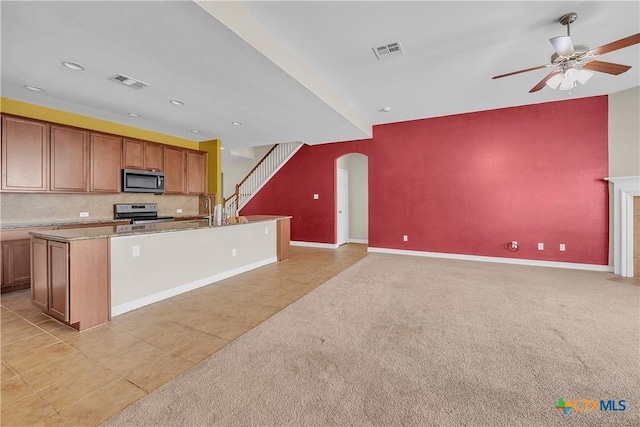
342,226
625,188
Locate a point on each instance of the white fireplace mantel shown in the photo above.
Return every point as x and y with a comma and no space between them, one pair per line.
625,188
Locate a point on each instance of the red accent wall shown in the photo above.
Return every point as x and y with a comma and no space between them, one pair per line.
467,184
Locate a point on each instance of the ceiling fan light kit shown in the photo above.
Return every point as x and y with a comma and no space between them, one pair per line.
569,79
574,60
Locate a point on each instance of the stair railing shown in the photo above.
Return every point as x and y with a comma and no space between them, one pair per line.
262,172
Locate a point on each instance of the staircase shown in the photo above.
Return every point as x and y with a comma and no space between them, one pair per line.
259,176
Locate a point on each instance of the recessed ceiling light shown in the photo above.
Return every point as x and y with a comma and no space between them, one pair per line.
176,102
385,109
73,65
34,88
134,114
195,131
222,148
236,123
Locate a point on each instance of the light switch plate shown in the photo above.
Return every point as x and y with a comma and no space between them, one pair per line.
316,196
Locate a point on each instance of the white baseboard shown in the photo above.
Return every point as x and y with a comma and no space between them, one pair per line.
519,261
150,299
363,241
315,245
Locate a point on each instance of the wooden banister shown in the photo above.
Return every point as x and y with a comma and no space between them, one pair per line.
237,192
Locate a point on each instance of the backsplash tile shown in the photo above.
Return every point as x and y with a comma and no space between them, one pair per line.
28,207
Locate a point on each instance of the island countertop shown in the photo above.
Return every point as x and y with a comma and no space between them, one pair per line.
78,223
69,235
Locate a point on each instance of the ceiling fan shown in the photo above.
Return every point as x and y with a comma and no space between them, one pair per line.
574,61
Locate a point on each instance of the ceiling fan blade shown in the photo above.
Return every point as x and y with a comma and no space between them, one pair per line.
563,45
606,67
544,81
618,44
521,71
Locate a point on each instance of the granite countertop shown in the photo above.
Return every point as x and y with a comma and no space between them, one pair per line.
133,229
35,224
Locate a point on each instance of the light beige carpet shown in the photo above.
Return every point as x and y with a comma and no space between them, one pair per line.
398,341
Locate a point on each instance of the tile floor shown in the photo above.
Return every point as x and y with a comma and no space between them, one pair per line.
54,375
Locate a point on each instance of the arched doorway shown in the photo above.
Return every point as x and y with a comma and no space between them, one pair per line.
352,199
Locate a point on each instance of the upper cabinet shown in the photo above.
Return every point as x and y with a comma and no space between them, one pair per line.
25,155
138,154
174,170
105,163
69,159
196,172
37,156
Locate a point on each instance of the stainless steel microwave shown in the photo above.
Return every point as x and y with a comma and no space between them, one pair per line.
141,181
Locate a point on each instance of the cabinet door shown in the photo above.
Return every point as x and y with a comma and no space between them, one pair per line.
39,292
196,172
153,156
25,155
105,163
69,159
16,260
58,280
132,154
174,170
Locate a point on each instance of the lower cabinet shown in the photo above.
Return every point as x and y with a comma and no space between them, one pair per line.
70,280
15,265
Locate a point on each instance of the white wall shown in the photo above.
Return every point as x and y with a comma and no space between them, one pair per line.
624,133
235,167
624,143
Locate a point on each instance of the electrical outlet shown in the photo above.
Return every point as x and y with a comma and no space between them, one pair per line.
266,230
233,252
514,245
178,210
316,196
405,238
135,251
84,214
541,246
562,247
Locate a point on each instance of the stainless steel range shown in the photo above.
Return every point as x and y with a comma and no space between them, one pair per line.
139,213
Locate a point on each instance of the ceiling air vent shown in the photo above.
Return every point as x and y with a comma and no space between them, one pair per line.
388,50
128,81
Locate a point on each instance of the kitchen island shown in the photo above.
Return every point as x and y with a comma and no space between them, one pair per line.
84,276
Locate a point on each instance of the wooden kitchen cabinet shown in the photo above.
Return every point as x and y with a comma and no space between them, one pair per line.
69,159
16,269
37,156
196,172
70,280
39,292
105,168
25,155
58,280
153,156
174,170
15,258
137,154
